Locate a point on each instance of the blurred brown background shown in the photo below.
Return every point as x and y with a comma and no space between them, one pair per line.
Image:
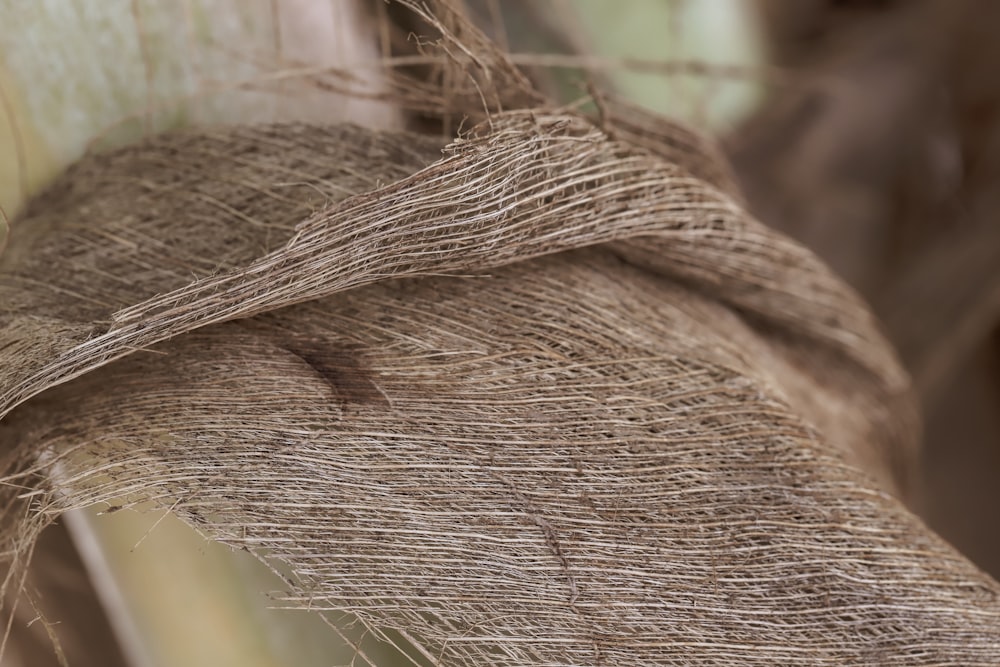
883,155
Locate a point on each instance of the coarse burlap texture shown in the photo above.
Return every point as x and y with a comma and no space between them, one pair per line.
540,395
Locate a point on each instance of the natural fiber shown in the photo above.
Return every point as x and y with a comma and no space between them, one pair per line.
550,397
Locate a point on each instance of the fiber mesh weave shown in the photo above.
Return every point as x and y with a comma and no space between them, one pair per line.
541,395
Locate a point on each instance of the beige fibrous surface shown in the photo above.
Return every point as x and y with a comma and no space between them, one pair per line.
541,392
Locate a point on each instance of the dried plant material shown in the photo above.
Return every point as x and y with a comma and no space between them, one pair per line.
553,182
888,170
543,394
886,164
